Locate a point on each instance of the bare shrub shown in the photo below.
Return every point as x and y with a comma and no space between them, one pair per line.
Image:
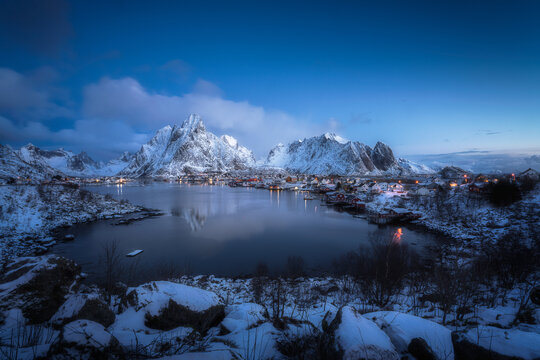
382,268
113,269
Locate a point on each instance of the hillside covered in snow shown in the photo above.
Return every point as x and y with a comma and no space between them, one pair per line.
189,148
331,154
38,164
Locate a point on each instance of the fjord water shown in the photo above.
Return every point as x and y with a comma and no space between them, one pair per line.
225,231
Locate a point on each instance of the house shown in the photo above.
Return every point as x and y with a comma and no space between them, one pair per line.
396,187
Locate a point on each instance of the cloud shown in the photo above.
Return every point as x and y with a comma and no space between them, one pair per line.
488,132
203,87
42,26
32,96
100,138
481,161
127,101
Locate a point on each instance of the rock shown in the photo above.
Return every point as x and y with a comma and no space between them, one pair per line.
69,237
168,305
85,339
38,286
84,306
486,342
242,316
419,348
359,338
402,329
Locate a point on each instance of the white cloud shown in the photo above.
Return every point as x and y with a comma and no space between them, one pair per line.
257,128
102,139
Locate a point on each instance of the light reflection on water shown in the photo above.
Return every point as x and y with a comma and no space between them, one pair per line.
226,231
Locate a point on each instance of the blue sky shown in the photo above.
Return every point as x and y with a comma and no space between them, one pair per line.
426,77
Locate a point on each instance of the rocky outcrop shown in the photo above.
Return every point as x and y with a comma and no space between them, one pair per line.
403,329
166,305
85,339
359,338
38,285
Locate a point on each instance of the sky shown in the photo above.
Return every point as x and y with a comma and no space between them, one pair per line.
425,77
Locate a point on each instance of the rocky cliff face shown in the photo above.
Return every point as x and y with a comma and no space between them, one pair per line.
189,148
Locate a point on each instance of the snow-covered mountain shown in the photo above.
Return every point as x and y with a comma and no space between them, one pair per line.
331,154
189,148
65,162
13,166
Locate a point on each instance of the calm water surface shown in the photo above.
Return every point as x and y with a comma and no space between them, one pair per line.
225,231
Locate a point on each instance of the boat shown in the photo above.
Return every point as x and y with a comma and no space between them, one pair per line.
308,197
134,253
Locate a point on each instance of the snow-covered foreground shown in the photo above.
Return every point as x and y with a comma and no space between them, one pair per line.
28,214
211,318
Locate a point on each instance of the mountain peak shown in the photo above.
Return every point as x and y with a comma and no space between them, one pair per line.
192,122
231,141
334,137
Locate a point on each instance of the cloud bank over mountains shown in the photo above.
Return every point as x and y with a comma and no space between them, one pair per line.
120,114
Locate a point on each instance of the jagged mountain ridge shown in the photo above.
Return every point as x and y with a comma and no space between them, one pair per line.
189,148
331,154
63,162
12,166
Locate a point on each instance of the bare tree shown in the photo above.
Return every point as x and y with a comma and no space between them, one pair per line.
112,266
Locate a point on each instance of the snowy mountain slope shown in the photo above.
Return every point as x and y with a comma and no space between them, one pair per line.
38,164
13,166
188,148
71,164
331,154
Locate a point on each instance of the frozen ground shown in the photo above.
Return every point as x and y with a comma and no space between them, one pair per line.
205,317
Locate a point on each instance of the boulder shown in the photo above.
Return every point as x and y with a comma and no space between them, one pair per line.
38,285
486,342
402,329
242,316
359,338
84,306
85,339
169,305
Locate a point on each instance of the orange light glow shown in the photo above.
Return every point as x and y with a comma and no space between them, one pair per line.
397,236
416,181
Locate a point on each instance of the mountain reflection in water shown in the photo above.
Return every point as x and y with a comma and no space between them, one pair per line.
226,231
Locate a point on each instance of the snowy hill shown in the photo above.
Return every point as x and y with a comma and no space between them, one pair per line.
331,154
13,166
71,164
189,148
